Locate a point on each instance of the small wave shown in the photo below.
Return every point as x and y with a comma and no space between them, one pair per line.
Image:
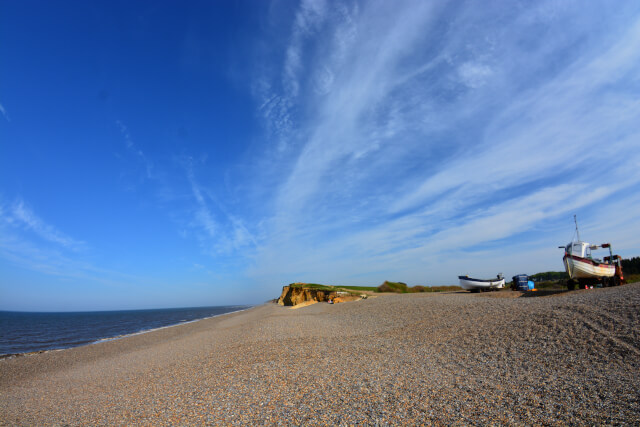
64,341
144,331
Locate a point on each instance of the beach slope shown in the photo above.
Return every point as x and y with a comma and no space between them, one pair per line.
397,359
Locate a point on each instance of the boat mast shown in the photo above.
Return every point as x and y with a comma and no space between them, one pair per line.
577,232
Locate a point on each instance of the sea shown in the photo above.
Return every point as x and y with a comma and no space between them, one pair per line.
23,332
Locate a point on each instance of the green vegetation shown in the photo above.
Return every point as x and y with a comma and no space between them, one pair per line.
313,286
329,288
548,280
359,288
551,284
396,287
631,266
402,288
556,280
632,278
549,276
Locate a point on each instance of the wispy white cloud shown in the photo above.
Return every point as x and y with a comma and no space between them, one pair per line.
561,125
219,231
308,19
19,215
26,240
425,128
473,74
203,215
133,149
278,97
348,115
4,113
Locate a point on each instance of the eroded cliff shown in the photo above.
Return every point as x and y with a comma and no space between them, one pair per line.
298,293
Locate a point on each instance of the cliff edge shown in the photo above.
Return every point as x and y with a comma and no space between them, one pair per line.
298,293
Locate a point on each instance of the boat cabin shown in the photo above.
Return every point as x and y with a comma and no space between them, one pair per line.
581,249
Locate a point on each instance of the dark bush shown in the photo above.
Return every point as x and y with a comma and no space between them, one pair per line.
631,266
397,287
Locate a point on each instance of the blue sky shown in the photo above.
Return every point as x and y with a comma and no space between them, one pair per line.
159,154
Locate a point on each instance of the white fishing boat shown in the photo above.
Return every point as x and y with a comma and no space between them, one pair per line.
471,284
580,264
583,268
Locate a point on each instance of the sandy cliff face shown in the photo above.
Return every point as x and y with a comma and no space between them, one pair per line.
296,295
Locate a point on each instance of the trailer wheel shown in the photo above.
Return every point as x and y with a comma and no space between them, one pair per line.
571,284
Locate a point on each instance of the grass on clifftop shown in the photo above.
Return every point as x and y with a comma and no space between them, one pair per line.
360,288
396,287
402,288
329,288
313,286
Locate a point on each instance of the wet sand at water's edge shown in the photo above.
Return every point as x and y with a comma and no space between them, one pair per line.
455,358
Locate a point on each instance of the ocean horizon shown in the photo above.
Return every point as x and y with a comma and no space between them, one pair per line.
29,332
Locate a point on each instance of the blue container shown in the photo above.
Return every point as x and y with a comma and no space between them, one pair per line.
531,285
521,282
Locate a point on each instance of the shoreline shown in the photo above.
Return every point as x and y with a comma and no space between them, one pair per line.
43,362
117,337
456,358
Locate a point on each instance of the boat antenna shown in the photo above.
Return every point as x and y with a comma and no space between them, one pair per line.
577,232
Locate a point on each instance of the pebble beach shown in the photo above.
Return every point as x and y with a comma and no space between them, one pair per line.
412,359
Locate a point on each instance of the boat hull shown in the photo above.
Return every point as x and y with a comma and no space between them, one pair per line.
468,283
584,268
